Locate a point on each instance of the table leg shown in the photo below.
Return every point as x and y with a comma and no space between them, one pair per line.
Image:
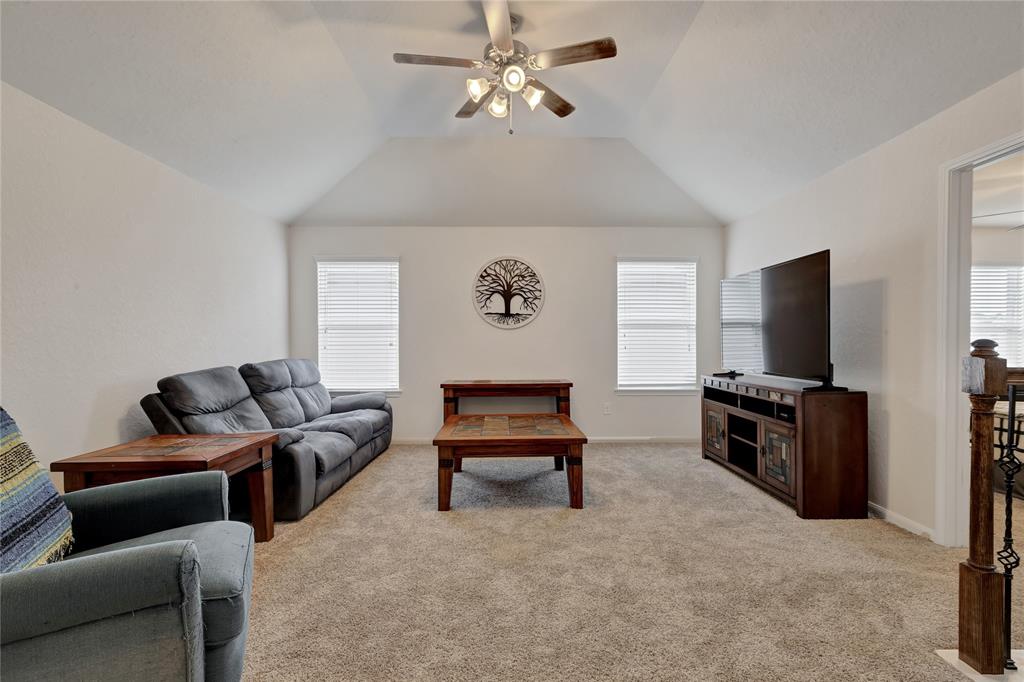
73,480
445,465
261,500
458,465
559,462
574,474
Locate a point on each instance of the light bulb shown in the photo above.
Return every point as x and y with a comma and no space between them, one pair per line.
477,88
513,78
533,96
498,108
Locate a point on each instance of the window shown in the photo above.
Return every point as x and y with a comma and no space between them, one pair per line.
357,322
741,322
997,309
657,324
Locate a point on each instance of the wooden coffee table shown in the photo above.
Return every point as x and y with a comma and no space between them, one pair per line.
241,453
509,435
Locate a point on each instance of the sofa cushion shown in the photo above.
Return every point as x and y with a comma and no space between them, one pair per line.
359,425
312,395
225,551
213,401
271,386
289,391
330,449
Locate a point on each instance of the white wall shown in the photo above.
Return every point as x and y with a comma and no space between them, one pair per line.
574,337
117,271
878,214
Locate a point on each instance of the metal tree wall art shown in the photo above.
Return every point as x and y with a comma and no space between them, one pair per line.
508,293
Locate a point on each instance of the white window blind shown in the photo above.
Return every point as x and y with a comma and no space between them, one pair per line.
997,309
657,324
357,318
741,322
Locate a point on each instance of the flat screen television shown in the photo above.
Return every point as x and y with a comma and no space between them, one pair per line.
795,318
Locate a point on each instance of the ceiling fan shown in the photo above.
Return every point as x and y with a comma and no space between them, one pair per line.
506,63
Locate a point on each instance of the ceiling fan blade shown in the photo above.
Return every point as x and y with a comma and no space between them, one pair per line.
499,25
471,107
431,60
603,48
552,100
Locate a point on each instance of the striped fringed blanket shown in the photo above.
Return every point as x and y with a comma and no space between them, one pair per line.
35,526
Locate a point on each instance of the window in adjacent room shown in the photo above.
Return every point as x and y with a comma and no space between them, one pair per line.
741,323
357,324
997,309
657,325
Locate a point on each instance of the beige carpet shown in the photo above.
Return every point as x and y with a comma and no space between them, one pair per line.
675,569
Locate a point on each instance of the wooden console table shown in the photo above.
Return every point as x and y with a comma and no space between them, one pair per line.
243,453
808,448
507,388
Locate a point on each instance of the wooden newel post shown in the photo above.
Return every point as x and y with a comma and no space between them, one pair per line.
981,587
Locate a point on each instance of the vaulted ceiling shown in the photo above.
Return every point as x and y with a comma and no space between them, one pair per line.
708,113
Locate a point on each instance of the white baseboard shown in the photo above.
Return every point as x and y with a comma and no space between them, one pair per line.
597,439
899,520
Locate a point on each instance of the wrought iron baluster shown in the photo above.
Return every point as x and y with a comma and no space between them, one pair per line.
1008,440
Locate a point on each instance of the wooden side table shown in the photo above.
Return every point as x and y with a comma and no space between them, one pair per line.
453,389
242,453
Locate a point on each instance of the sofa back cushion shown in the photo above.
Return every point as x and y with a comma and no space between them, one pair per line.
213,401
288,391
271,385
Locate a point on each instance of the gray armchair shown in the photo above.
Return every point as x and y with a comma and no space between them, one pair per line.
158,588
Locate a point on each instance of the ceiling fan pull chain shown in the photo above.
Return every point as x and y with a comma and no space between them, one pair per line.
510,131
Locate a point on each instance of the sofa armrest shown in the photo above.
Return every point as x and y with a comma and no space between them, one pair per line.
111,513
73,592
358,401
52,617
294,481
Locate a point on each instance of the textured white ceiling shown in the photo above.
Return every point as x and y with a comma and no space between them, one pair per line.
254,99
736,103
422,100
530,181
763,97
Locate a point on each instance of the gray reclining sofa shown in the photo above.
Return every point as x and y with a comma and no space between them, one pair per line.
322,441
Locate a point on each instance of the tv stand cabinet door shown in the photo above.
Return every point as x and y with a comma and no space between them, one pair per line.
778,458
714,429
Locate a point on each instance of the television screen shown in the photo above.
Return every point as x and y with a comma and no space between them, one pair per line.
795,317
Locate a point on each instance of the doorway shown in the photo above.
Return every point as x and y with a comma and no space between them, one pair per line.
957,220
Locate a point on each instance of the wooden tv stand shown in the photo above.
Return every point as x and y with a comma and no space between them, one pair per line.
807,448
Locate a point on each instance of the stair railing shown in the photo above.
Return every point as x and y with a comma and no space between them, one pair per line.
985,594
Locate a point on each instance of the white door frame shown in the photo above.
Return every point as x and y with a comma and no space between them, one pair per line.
952,445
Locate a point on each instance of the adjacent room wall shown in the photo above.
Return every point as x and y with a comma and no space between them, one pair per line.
997,246
878,214
574,336
118,271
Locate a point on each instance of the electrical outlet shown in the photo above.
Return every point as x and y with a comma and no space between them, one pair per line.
607,408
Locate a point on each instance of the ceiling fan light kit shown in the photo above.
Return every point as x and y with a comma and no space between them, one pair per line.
498,108
478,88
508,61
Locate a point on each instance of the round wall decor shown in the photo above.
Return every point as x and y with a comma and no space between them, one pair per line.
508,293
